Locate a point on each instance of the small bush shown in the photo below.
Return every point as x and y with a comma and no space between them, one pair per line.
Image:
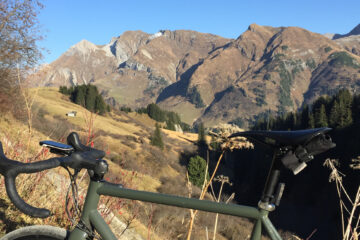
328,49
267,76
125,109
196,169
311,63
278,56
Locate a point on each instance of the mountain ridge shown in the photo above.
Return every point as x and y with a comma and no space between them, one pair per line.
205,77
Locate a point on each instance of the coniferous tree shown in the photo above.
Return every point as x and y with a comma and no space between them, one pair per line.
197,170
170,125
355,108
99,105
90,98
345,100
63,89
290,121
202,144
155,112
334,118
346,117
156,138
79,95
320,117
71,89
86,96
311,122
201,134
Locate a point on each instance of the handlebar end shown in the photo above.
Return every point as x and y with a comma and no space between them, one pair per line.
20,204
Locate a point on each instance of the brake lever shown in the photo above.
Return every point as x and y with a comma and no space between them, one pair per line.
74,140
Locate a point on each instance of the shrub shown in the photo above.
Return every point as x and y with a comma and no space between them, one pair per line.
197,170
311,63
339,59
267,76
125,109
284,47
328,49
278,56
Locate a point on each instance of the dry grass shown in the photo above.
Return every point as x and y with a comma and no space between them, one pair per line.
133,162
349,206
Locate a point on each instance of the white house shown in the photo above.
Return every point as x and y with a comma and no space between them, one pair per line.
71,114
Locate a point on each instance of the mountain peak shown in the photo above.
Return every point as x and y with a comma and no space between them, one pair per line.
355,31
83,47
253,27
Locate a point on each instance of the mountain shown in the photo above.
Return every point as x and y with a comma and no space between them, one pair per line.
349,41
208,78
134,67
266,68
355,31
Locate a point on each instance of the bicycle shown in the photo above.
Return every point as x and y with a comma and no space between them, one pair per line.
292,150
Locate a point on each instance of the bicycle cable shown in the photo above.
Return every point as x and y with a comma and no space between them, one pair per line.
75,202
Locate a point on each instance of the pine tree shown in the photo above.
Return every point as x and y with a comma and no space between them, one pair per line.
355,108
197,170
311,122
79,95
345,100
63,90
334,118
170,125
201,134
320,117
90,98
99,105
156,138
155,112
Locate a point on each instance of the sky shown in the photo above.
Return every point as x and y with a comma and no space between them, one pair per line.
64,23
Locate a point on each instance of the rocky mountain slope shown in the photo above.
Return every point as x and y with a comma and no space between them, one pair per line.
349,41
212,79
134,67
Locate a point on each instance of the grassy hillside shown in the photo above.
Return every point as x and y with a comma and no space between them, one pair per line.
132,160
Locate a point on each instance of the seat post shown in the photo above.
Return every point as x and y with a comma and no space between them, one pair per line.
271,182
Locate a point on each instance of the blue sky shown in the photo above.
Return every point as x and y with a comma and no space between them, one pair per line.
66,22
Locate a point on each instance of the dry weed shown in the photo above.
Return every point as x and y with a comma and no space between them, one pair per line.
226,144
349,208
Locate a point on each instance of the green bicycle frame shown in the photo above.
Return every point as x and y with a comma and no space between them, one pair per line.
92,218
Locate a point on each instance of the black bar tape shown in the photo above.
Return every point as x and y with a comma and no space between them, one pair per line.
10,185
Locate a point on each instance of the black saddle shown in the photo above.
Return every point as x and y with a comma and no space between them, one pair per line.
297,147
283,138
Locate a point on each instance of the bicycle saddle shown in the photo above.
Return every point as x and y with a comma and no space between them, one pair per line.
283,138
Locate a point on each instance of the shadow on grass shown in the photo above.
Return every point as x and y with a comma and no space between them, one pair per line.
6,224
